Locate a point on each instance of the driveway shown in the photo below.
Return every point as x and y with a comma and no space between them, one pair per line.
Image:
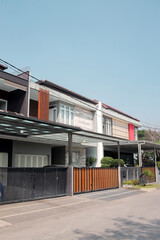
111,214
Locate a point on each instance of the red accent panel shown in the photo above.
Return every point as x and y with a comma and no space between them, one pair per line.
43,105
131,132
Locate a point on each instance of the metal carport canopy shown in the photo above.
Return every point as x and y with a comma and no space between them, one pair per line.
132,146
82,137
15,124
18,125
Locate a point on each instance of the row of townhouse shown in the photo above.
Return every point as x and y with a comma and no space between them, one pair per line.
28,109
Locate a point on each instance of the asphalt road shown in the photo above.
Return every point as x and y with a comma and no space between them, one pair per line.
112,214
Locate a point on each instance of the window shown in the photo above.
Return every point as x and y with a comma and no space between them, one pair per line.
3,159
27,160
135,133
107,126
53,113
3,104
66,115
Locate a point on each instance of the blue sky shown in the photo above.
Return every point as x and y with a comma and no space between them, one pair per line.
103,49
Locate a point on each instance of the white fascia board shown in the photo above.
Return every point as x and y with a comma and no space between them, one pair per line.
111,113
64,97
35,86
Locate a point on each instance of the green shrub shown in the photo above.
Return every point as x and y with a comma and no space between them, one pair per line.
127,182
109,162
106,162
148,174
90,161
135,182
105,165
131,182
158,164
121,162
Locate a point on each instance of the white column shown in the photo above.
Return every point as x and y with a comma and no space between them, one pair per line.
99,118
139,155
100,150
100,154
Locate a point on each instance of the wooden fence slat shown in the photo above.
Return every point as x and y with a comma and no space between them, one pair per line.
92,179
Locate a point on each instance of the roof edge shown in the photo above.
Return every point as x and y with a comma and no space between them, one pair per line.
118,111
65,90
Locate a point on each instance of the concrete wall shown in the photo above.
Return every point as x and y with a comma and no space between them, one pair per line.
31,148
78,157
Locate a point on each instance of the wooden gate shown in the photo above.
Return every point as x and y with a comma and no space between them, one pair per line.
92,179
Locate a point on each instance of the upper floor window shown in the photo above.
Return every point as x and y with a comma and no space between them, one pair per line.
3,104
66,114
107,126
53,113
135,133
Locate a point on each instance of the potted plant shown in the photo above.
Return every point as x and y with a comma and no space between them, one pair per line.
90,160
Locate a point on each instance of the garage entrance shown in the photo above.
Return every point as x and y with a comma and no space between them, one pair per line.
22,184
93,179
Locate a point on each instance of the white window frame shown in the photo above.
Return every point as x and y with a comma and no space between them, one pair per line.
136,133
31,160
53,113
3,159
107,126
6,103
66,108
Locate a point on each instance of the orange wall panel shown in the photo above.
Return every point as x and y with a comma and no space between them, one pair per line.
43,105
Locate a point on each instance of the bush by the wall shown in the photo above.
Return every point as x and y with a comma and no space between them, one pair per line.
135,182
148,174
90,160
158,164
116,162
109,162
106,162
131,182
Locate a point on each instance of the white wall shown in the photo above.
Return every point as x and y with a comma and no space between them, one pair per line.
31,148
92,152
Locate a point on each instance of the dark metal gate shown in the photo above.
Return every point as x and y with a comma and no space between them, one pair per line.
33,183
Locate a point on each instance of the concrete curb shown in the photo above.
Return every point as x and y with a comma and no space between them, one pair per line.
142,189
